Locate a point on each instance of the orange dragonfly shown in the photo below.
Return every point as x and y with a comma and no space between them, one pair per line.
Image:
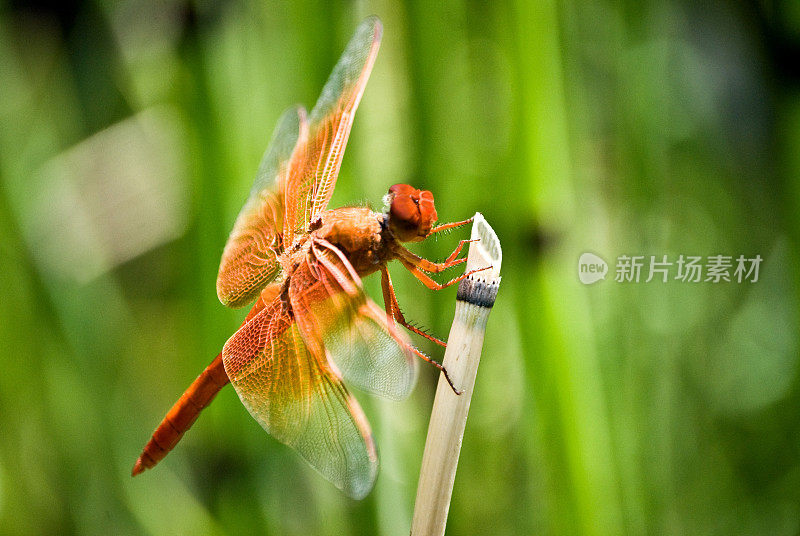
312,325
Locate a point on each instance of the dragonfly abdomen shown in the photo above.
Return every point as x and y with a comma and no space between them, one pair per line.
182,415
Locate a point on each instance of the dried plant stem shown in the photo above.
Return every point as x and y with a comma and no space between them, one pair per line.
474,301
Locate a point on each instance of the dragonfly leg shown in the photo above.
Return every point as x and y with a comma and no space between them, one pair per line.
393,312
452,225
435,267
440,367
455,252
429,282
393,308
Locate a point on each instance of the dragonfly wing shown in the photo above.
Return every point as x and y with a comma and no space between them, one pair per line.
332,310
250,258
295,396
316,168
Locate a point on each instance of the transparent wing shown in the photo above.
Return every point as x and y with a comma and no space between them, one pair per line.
315,169
250,258
332,310
301,402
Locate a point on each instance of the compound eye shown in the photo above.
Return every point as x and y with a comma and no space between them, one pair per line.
402,189
405,209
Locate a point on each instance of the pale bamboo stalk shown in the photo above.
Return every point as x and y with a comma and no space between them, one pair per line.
474,301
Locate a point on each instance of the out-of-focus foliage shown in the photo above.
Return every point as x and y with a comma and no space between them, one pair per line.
130,133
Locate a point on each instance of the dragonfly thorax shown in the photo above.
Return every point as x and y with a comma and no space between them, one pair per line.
358,233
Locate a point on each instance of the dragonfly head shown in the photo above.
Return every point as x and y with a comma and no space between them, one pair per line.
411,212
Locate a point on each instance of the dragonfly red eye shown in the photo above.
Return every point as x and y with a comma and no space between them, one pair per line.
411,212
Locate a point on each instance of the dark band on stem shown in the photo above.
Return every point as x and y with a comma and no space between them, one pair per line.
477,292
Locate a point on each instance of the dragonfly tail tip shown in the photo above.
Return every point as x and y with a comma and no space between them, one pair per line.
138,467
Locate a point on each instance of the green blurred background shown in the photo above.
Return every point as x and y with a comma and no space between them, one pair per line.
130,133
